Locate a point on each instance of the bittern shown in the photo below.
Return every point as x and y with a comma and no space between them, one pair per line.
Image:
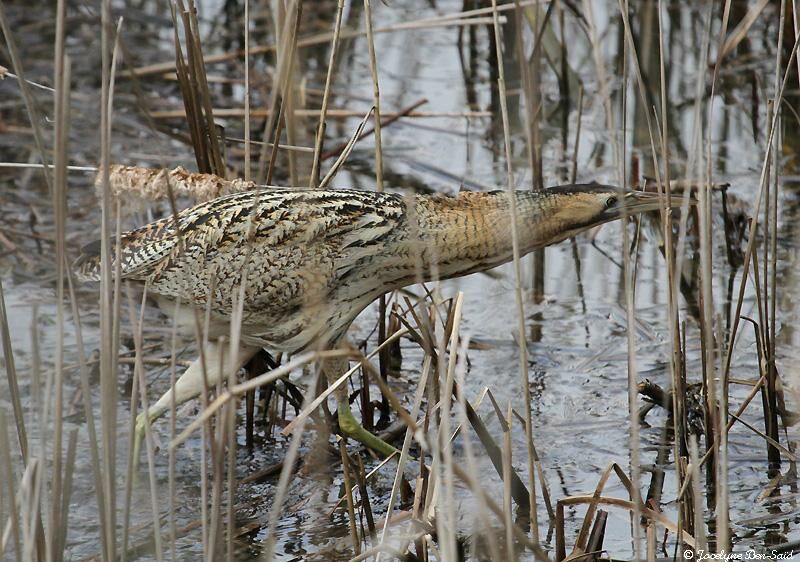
307,262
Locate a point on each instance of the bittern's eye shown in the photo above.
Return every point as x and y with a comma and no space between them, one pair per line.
611,201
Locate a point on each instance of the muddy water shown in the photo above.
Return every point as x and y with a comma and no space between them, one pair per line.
577,331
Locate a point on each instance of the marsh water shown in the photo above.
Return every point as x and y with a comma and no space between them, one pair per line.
577,329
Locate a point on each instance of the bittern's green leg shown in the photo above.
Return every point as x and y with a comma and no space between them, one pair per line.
190,384
335,368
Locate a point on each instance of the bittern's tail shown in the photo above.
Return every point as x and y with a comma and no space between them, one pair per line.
139,250
87,266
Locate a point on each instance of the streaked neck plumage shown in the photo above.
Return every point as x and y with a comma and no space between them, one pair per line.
452,236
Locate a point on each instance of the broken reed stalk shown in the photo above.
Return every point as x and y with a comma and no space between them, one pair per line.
471,463
447,512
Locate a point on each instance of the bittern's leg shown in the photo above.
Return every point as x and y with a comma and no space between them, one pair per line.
335,368
190,383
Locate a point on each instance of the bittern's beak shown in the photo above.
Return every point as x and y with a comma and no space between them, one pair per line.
636,202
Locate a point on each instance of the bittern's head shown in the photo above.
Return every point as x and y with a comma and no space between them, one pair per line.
575,208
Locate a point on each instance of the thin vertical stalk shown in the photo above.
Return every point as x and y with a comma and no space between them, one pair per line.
629,286
7,467
286,475
108,379
376,98
314,182
523,347
676,357
173,374
446,521
11,374
401,463
278,117
383,358
60,151
348,493
723,536
507,512
247,146
27,97
697,496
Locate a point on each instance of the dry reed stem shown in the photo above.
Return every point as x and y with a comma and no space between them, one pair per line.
330,113
244,387
456,19
305,412
281,146
629,282
246,109
723,538
376,107
31,108
376,99
286,34
285,477
507,467
740,31
139,373
346,151
348,494
446,521
403,460
235,337
472,465
61,142
337,28
523,348
12,527
644,511
677,371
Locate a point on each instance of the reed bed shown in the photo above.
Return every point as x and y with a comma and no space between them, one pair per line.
474,478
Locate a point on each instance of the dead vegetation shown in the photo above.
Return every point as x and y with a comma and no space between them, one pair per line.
273,72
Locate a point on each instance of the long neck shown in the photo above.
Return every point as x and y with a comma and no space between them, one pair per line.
450,237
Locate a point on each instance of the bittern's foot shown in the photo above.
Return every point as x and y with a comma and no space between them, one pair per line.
351,428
